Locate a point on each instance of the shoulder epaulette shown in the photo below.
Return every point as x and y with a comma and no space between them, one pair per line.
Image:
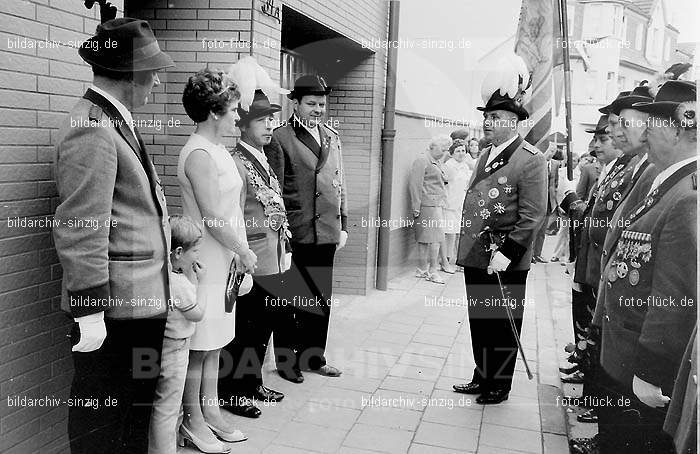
95,113
532,149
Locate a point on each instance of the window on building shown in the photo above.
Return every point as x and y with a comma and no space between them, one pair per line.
639,37
621,83
292,65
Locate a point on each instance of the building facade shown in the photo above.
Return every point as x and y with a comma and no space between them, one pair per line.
42,77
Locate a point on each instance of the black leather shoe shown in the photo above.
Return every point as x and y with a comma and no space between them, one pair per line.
242,406
294,376
584,445
467,388
328,371
589,416
266,394
575,378
495,396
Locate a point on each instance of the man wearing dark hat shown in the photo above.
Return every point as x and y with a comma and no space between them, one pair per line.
504,207
649,279
112,238
259,312
306,155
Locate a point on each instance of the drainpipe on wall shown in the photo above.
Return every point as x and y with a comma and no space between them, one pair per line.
388,133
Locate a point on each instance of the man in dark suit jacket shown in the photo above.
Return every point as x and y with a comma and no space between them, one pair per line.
587,179
306,155
648,279
113,240
260,312
505,205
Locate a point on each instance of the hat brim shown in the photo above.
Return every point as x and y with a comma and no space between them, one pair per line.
627,102
246,117
301,93
661,108
506,105
598,131
158,61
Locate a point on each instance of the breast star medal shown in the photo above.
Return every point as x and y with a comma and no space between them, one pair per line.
481,203
622,270
485,213
499,208
493,193
507,189
617,196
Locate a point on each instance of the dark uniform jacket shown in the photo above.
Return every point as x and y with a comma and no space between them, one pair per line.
510,197
602,204
641,185
312,181
588,179
649,281
265,234
103,175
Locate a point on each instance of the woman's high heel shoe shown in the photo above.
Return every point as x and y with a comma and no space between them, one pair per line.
230,437
186,435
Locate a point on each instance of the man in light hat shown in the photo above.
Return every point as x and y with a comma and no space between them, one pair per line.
261,311
649,279
115,272
504,207
306,155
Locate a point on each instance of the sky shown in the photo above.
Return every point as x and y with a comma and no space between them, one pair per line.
434,79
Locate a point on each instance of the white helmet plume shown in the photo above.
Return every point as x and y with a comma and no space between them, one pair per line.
511,77
249,76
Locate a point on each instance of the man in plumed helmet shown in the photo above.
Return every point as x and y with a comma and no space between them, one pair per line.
305,153
115,274
649,279
505,205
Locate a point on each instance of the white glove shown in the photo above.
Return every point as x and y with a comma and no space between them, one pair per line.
287,261
650,394
343,240
499,263
92,332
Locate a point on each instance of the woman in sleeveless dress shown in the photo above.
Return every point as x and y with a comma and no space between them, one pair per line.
211,192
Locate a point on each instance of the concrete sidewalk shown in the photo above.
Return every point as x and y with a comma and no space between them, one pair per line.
401,351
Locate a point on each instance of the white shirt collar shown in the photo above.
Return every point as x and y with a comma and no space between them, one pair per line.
121,108
313,131
639,164
259,155
495,151
667,172
606,169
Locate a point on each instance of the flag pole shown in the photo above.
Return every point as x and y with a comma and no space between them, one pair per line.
564,27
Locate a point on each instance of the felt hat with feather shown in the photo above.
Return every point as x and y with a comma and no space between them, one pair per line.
505,87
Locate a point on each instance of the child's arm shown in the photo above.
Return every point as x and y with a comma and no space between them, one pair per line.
194,313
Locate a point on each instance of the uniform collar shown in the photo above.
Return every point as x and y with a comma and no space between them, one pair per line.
259,155
639,164
667,172
121,108
313,131
495,151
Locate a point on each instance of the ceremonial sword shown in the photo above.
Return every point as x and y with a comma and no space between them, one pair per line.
513,328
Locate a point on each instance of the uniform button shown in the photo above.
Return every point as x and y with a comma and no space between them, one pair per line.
318,194
318,216
469,191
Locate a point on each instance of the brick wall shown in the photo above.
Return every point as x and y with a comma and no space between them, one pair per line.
38,85
204,32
